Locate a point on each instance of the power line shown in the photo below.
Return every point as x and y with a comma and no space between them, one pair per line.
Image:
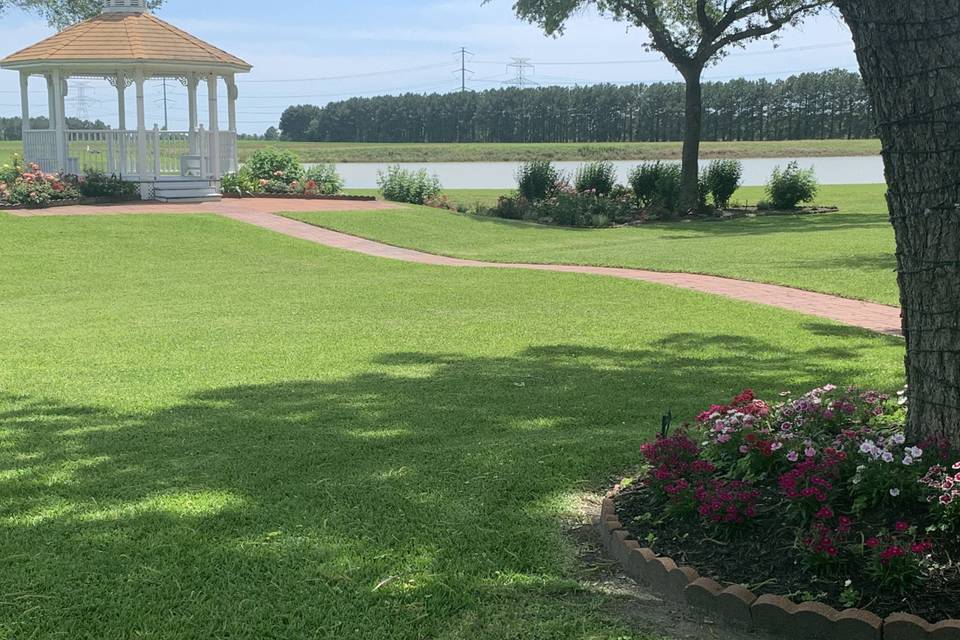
347,77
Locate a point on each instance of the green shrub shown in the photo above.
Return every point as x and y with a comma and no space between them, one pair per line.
12,171
657,184
274,164
512,207
241,183
596,177
414,187
791,186
539,180
96,184
721,179
324,178
571,209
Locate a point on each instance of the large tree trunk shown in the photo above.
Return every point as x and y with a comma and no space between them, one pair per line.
909,52
693,125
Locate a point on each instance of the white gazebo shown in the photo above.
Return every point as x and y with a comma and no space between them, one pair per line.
127,45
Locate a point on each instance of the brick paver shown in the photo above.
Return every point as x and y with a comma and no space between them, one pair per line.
261,212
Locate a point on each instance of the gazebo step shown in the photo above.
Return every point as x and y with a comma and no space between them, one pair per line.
188,199
185,191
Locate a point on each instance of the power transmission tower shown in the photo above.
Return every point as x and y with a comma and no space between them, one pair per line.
463,71
82,100
520,66
164,101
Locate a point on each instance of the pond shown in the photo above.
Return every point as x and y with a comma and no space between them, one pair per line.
500,175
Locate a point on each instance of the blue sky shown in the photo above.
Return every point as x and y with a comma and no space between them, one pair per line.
334,49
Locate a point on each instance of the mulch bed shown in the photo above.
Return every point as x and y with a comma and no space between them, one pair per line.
764,557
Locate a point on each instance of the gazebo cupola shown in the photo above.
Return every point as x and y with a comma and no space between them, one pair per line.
127,45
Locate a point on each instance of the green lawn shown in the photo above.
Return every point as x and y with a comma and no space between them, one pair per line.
375,152
850,253
211,431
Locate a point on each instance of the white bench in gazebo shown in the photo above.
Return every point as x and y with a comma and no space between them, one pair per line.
127,45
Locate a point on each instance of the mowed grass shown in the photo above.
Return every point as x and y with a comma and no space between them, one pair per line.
477,152
850,253
211,431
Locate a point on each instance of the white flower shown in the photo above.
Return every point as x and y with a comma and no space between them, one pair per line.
848,583
915,452
887,456
907,461
895,493
899,439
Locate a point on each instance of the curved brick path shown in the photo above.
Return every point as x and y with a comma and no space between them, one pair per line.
260,212
867,315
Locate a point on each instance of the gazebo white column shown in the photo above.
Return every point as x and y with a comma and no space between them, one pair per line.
214,107
121,101
141,128
51,103
232,94
25,104
61,121
121,165
192,83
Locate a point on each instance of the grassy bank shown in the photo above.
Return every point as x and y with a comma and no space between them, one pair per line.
343,152
348,152
209,430
850,253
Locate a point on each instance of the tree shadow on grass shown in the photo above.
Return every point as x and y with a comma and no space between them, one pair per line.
406,498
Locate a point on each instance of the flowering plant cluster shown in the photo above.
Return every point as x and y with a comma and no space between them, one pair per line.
833,466
32,187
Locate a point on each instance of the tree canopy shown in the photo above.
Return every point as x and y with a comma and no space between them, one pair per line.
830,104
63,13
690,34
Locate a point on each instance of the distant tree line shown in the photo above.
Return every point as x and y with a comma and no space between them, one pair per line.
831,104
12,129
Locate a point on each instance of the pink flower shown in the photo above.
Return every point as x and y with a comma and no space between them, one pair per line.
793,456
901,527
872,543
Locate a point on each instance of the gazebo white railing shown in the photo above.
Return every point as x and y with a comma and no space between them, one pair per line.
168,153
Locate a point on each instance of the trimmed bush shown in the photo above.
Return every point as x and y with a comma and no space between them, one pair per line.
413,187
323,179
791,186
657,184
721,180
96,184
599,178
539,180
274,164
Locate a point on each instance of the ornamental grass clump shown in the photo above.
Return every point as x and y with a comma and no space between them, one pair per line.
818,493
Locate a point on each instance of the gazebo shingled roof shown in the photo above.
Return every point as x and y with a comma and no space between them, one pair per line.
124,37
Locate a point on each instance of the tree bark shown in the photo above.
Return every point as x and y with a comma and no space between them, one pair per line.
693,130
909,53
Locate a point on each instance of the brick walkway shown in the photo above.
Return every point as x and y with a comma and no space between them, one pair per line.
261,213
867,315
228,205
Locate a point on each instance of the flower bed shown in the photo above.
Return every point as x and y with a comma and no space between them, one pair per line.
31,188
818,498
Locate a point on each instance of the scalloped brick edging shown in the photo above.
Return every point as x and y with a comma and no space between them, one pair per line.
739,607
